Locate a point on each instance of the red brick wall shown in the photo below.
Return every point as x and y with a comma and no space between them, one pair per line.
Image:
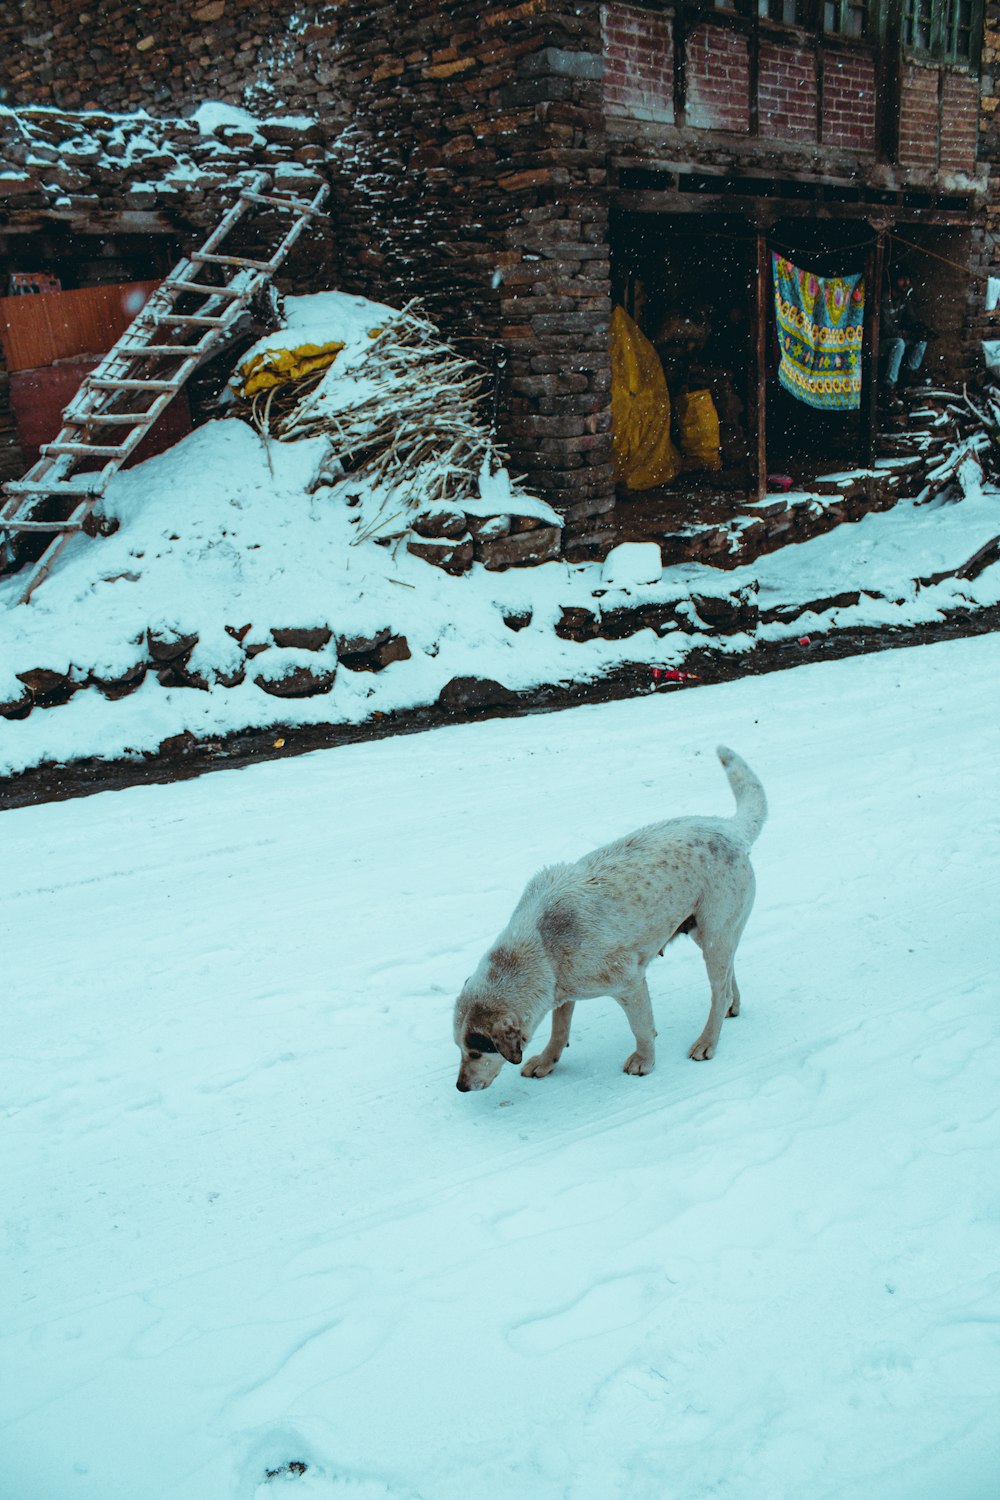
918,117
638,63
787,92
849,101
718,80
959,122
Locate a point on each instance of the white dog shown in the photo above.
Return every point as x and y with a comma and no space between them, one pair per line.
594,927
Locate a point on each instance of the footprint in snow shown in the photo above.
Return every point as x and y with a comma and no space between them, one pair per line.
602,1309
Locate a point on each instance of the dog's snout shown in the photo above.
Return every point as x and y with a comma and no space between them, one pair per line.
462,1085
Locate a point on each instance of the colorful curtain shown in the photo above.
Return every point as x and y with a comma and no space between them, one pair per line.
820,327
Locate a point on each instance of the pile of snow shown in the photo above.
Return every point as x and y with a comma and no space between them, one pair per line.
325,318
259,1248
227,538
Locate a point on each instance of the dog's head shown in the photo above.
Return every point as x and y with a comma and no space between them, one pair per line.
487,1040
494,1016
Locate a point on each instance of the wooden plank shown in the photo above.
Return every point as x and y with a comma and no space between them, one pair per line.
37,331
874,263
758,371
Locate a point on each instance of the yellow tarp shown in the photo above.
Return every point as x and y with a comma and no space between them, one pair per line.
277,366
640,409
698,431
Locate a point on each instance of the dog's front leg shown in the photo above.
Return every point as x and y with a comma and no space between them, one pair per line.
542,1065
639,1008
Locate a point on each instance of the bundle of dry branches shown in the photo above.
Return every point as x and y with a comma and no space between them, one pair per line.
405,415
967,440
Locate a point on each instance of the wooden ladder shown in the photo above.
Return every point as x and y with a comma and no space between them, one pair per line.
189,316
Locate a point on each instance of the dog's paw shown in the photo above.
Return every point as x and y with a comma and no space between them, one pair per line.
638,1066
734,1008
702,1049
537,1067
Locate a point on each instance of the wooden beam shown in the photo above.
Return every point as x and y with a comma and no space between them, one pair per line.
757,405
874,263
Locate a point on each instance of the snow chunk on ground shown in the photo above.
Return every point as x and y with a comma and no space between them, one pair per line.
213,114
632,564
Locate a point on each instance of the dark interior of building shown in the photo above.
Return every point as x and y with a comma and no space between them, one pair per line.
688,282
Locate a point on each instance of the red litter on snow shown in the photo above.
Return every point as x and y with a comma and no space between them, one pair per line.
805,640
780,482
672,674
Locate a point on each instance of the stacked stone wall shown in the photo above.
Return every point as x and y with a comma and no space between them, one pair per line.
475,178
164,57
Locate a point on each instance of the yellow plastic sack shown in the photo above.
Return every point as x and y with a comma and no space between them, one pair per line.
698,430
640,409
277,366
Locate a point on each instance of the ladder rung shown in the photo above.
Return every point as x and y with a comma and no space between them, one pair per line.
293,205
135,351
89,485
113,419
235,260
195,319
41,526
110,383
94,449
198,286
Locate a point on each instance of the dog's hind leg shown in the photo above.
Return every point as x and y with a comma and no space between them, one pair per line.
636,1004
725,997
542,1065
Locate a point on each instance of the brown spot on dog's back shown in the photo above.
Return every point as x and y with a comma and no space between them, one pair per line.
722,849
503,961
559,929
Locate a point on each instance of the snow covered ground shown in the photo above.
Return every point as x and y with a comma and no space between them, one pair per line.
226,538
252,1229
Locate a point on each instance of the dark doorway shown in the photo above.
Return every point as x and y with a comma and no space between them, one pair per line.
687,281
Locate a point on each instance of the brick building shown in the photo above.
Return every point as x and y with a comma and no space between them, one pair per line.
523,166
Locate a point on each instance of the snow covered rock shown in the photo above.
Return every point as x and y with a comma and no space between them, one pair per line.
312,638
288,673
525,549
631,565
454,556
464,693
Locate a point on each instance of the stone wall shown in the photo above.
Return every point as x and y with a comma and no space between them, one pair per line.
164,57
474,177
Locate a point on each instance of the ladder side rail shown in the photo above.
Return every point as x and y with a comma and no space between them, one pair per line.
258,183
38,472
296,229
40,568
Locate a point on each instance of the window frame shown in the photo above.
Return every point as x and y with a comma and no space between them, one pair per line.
747,14
943,28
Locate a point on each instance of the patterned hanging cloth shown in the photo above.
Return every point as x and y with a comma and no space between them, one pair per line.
820,328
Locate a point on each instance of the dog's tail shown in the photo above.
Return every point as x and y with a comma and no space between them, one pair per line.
751,803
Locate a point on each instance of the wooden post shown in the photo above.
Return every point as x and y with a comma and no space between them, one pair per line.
757,402
680,67
874,261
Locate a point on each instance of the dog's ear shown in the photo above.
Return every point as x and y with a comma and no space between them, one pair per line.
509,1041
